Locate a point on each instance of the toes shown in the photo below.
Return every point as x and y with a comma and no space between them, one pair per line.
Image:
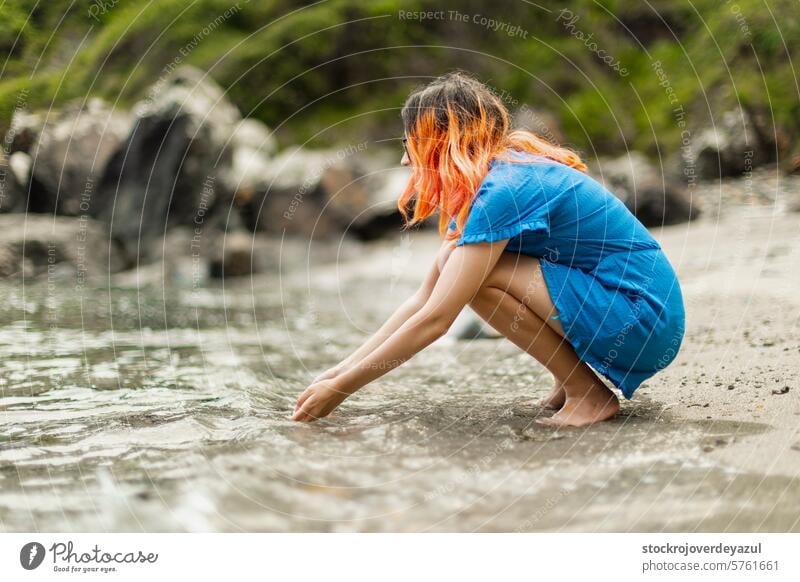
552,422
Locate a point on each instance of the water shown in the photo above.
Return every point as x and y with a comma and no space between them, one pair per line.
166,410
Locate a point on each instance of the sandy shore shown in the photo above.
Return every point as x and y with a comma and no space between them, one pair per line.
740,274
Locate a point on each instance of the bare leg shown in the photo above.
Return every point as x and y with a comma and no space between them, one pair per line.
509,301
530,290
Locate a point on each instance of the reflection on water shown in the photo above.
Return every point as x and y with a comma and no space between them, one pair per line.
151,410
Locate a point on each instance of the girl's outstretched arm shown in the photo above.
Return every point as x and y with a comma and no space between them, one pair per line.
459,281
408,308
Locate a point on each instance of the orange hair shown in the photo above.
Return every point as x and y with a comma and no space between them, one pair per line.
455,126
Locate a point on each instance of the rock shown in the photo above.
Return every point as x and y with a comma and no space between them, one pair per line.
234,256
23,131
654,199
468,326
20,164
69,155
186,258
178,258
11,193
739,141
325,193
541,122
384,181
59,247
171,169
252,147
381,216
291,199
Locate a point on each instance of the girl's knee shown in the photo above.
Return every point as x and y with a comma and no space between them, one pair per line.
487,297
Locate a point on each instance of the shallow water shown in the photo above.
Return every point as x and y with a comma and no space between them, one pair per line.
166,410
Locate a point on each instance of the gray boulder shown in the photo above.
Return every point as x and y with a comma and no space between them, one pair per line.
738,142
654,199
384,181
293,197
174,166
65,249
69,154
252,147
325,193
235,255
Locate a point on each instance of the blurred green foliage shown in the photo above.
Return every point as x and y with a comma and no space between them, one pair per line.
340,69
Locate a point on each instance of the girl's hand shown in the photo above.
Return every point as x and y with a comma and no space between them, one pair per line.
318,401
328,374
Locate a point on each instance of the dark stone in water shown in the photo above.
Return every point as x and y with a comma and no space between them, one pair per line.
234,257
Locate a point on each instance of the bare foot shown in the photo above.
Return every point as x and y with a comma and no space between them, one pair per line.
595,405
555,399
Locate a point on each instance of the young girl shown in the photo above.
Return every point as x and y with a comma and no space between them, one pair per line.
541,251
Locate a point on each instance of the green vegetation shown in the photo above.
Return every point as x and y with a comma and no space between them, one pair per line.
338,69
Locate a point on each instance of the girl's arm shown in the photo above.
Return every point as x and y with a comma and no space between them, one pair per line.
458,282
398,318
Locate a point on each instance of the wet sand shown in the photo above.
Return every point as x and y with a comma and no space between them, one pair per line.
177,419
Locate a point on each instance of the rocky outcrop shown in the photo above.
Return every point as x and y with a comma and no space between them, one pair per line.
173,168
739,141
56,247
326,193
655,199
291,197
70,152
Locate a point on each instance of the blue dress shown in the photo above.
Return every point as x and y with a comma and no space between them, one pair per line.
617,296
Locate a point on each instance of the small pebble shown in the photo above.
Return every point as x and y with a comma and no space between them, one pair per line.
783,390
